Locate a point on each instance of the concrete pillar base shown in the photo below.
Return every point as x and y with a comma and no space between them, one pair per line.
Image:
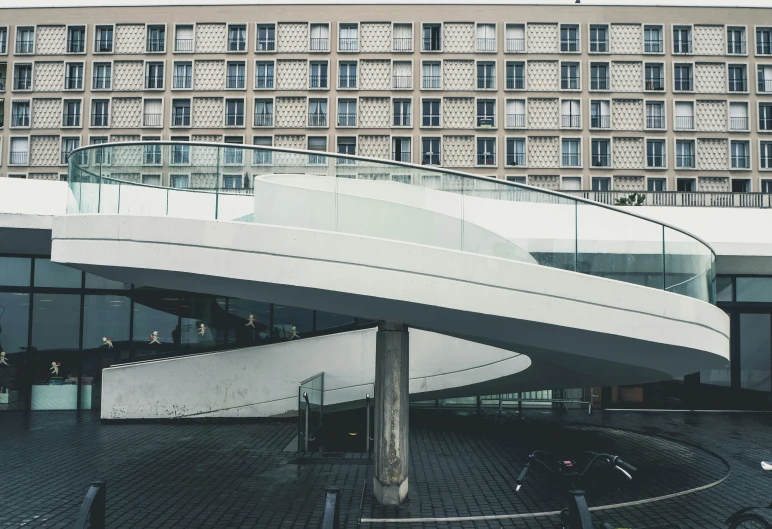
389,494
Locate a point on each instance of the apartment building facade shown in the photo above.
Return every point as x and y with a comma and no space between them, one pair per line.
563,97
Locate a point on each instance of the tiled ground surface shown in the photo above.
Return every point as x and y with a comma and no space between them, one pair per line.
237,475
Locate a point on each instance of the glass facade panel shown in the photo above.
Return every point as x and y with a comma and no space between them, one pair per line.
290,323
724,289
48,274
755,351
93,281
758,289
15,271
14,329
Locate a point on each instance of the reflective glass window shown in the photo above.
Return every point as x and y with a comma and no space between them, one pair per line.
291,323
757,289
14,326
48,274
755,351
15,271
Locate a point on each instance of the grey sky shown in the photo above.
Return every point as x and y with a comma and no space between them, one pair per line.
695,3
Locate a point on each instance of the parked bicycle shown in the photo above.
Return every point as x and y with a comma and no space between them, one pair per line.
752,517
574,474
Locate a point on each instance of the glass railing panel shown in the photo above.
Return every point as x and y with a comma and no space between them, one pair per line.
110,196
138,199
310,412
689,266
191,204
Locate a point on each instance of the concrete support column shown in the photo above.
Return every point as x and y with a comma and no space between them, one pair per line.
392,363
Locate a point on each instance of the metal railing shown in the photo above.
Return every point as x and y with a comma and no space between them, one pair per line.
317,120
318,81
736,48
71,120
264,81
681,198
430,81
156,44
682,46
183,45
739,123
485,120
741,162
430,120
19,158
402,82
347,119
319,44
600,122
100,120
4,45
2,82
738,85
516,159
516,120
764,123
599,83
25,46
181,119
571,160
20,119
764,48
347,81
682,85
685,161
486,159
92,511
766,162
266,44
101,82
401,120
432,44
569,83
263,120
486,44
486,82
237,44
568,45
655,122
76,45
571,121
601,160
348,44
655,83
655,160
653,46
154,81
430,158
22,83
103,45
515,82
234,120
684,122
599,46
151,119
401,156
765,85
515,45
402,44
182,81
235,81
73,83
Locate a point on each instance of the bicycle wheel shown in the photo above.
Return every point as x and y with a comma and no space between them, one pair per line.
750,521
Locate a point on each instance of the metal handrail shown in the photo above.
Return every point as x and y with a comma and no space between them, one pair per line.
92,510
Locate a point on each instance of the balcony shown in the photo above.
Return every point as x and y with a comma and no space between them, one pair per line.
485,121
319,44
22,83
656,160
101,82
764,123
430,81
684,161
432,44
234,120
684,122
738,85
71,120
76,45
515,82
570,121
347,120
655,122
182,81
402,44
264,120
601,160
155,45
234,81
317,81
103,45
402,82
486,82
516,159
569,83
599,83
430,158
600,122
25,46
569,45
515,45
100,120
238,44
599,46
73,83
349,81
20,120
682,46
571,160
264,81
183,45
739,123
765,85
348,44
516,121
486,159
741,162
266,45
181,119
682,85
736,48
764,48
151,119
486,45
317,120
18,158
653,46
656,84
682,198
401,156
154,82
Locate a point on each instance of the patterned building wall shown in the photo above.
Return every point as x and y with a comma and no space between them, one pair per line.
130,38
458,112
543,151
712,154
708,40
46,113
626,76
458,75
291,75
710,116
292,38
374,146
290,112
709,78
713,184
127,112
374,112
545,181
458,37
543,75
128,76
290,142
629,183
626,39
49,76
204,156
628,153
542,38
211,38
122,138
458,151
543,113
375,37
207,112
627,114
44,150
51,40
209,75
374,75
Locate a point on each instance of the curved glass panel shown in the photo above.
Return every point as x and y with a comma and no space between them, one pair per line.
418,204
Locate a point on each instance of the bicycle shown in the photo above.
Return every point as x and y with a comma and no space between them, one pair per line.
577,515
746,518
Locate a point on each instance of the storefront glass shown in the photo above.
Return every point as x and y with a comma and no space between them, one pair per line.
14,328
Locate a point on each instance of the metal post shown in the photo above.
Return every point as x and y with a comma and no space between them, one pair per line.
367,433
305,431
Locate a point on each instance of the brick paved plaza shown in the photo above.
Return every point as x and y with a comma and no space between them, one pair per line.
462,464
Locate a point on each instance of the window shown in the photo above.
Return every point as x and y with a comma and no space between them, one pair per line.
25,40
402,75
600,114
515,75
180,154
684,115
19,151
22,77
432,39
154,79
181,112
237,37
264,75
3,41
347,113
68,145
183,76
76,39
652,39
179,181
430,113
347,75
156,38
569,76
655,115
71,116
738,116
570,115
320,38
183,39
516,179
400,150
682,78
738,78
655,77
516,152
569,38
766,160
430,151
430,75
236,75
486,113
234,112
73,77
741,185
486,37
102,76
233,155
151,154
765,116
741,155
516,113
347,146
152,115
735,41
486,151
2,78
317,143
765,78
348,38
571,183
263,112
599,38
266,37
656,185
100,112
572,156
764,41
682,39
403,38
233,181
317,113
318,77
599,79
655,153
102,155
515,38
601,183
20,111
402,111
103,41
262,156
684,154
486,75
